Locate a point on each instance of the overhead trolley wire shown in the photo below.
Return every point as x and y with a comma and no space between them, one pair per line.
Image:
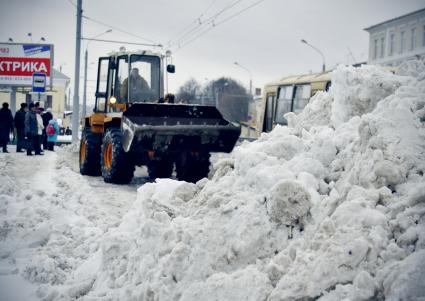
201,24
119,29
218,23
72,3
196,21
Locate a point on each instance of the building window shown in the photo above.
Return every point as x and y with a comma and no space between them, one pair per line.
391,52
382,47
401,41
49,101
375,50
28,98
413,39
423,35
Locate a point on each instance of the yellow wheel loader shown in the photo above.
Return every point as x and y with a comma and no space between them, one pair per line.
133,125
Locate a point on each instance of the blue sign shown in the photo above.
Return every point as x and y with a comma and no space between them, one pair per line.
30,50
39,82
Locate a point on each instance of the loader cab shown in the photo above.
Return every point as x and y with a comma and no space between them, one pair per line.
127,78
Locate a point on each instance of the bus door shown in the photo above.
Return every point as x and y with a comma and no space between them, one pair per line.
270,109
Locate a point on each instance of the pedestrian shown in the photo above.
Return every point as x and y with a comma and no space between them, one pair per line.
52,131
40,125
46,116
20,127
68,131
31,131
6,126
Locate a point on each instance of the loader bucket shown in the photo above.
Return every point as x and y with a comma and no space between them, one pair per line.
177,127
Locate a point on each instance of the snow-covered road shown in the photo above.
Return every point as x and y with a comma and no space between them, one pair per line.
55,209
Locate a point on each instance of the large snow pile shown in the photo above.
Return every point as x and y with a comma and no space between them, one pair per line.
331,208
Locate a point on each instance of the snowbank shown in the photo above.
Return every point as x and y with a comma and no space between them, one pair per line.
330,208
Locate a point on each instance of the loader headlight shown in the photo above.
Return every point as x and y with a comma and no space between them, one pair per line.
112,100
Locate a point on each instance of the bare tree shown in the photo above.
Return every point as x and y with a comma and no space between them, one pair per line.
230,97
188,91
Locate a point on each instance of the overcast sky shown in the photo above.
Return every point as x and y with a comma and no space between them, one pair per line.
264,39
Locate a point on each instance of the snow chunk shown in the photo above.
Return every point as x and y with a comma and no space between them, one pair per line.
404,280
249,284
356,91
364,287
288,202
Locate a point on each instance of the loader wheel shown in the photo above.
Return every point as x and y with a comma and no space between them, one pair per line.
90,153
161,168
192,168
116,166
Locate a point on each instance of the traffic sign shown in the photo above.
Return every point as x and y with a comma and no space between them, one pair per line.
39,82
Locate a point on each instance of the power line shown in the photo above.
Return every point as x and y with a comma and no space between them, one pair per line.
113,27
119,29
209,21
72,3
121,42
199,26
219,23
196,21
240,12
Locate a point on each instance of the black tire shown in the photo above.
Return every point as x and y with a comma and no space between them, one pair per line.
90,145
162,168
116,166
191,168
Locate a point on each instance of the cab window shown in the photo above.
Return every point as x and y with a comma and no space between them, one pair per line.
102,84
122,74
143,82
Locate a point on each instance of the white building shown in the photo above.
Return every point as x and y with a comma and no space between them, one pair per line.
398,39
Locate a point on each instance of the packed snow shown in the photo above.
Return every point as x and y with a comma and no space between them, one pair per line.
330,207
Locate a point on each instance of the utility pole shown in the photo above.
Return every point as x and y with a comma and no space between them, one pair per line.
85,84
76,103
86,57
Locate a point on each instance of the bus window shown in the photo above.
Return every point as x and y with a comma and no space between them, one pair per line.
268,120
301,97
328,85
283,103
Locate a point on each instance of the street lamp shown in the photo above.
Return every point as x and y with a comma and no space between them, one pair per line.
321,53
83,113
250,76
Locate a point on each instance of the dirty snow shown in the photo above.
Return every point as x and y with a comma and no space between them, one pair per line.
330,208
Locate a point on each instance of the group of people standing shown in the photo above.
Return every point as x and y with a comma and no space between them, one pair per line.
34,127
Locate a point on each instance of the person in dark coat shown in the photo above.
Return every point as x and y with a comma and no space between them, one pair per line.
31,131
6,126
46,116
20,127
